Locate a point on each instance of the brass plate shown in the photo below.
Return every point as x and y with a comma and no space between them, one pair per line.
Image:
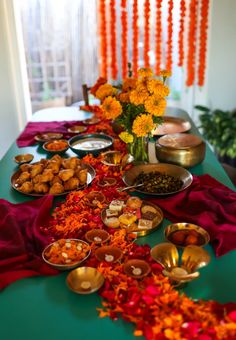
172,125
90,176
45,137
84,280
141,232
21,159
184,175
91,121
77,129
179,141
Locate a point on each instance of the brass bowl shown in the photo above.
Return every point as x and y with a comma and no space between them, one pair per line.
64,266
97,236
77,129
109,254
181,149
84,280
116,158
106,182
91,121
180,270
45,137
185,234
56,142
93,198
137,268
26,158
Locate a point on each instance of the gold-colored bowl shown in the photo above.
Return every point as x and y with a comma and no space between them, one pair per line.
109,254
180,270
181,149
116,158
45,137
106,182
137,268
77,129
97,236
55,144
84,280
26,158
184,234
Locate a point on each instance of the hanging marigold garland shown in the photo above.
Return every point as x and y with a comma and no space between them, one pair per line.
135,38
181,32
114,68
169,59
103,37
146,42
203,41
158,36
124,41
192,42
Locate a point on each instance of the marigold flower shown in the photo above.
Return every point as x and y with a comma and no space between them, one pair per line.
99,82
126,137
105,91
155,105
143,125
139,95
165,73
145,72
158,88
124,97
129,84
111,108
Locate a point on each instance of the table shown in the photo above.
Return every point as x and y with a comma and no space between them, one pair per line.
43,308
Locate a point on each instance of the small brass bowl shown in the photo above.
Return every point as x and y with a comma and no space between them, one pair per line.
93,198
45,137
84,280
137,268
109,254
97,236
91,121
65,266
112,158
26,158
181,149
185,234
106,182
77,129
55,143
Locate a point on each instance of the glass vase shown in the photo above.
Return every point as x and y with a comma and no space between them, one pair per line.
139,149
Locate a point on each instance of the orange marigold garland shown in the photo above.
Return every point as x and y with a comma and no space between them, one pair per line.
103,37
169,59
114,68
135,38
203,41
146,41
181,32
158,36
124,41
192,42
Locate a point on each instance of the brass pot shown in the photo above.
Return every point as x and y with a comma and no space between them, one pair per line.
182,149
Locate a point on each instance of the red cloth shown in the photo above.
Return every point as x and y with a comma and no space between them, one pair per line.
209,204
26,138
21,240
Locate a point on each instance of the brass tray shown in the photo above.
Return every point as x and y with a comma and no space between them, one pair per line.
90,176
172,125
184,175
140,232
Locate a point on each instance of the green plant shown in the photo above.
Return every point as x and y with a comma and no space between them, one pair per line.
219,128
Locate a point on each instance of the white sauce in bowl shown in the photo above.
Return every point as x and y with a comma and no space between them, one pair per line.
91,143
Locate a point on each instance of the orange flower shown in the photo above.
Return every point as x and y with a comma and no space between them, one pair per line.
111,107
156,86
99,82
124,97
129,84
139,95
105,91
143,125
155,105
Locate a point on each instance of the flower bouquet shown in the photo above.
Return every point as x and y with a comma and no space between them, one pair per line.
137,105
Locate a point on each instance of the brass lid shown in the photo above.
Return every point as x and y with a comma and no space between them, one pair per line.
179,141
172,125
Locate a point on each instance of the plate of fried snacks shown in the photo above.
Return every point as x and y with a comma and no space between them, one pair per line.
56,176
135,215
158,179
66,254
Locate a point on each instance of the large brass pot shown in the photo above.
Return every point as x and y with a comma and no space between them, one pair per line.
182,149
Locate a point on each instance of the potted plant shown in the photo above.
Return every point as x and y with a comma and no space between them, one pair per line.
219,129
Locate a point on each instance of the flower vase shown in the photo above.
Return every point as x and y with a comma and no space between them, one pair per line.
139,149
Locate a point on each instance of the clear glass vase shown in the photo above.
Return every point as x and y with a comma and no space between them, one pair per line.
139,149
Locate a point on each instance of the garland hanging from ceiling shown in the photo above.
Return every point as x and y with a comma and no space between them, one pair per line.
142,32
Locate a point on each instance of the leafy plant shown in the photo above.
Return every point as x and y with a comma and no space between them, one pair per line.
219,128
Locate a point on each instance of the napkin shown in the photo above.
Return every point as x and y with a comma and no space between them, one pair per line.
209,204
22,241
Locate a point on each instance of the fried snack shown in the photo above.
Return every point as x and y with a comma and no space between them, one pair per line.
71,163
36,169
27,187
147,208
66,174
57,158
47,175
71,184
36,179
54,165
25,167
41,188
83,176
24,176
56,179
134,202
56,189
77,171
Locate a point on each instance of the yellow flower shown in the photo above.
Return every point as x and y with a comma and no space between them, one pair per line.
129,84
124,97
105,91
155,105
126,137
145,72
111,108
139,95
158,88
142,125
165,73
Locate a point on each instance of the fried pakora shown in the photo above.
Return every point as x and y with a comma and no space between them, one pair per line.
66,174
56,189
41,188
27,187
71,184
24,176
